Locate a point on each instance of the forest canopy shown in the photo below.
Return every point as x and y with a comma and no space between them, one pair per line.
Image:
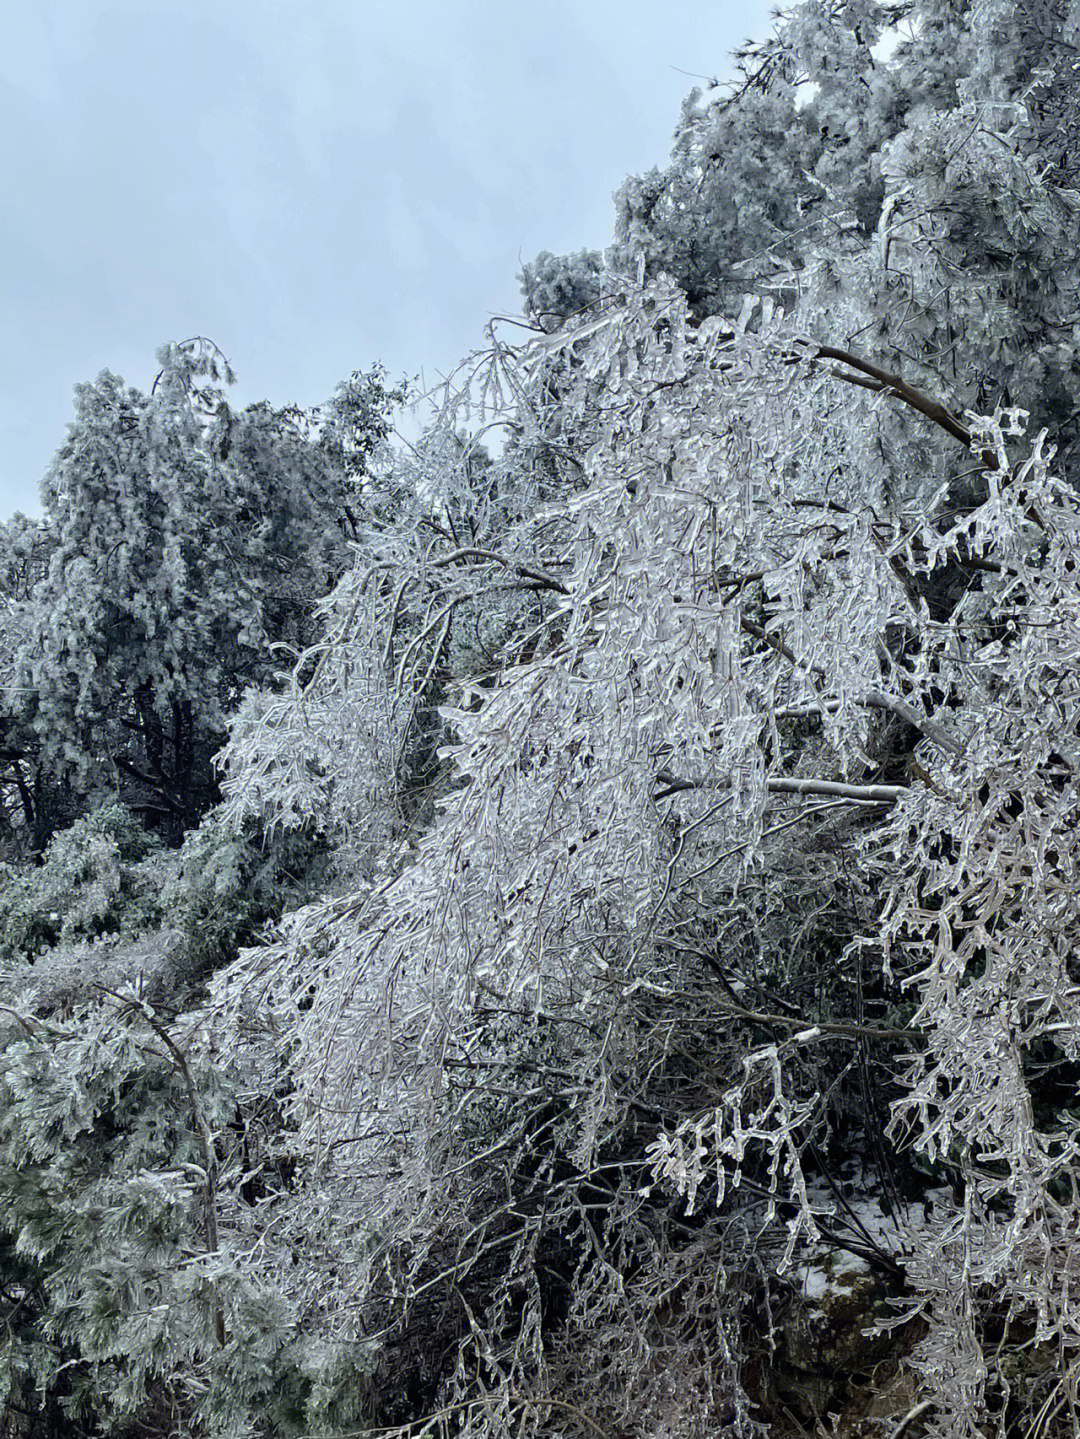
565,927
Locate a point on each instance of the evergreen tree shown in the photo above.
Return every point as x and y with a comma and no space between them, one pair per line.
184,543
24,550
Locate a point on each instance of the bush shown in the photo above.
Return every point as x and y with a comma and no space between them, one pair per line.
100,877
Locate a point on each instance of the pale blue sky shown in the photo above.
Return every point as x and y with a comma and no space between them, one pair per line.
314,186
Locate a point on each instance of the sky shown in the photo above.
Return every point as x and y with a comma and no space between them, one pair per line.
314,186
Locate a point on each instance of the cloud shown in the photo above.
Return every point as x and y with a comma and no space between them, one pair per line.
314,187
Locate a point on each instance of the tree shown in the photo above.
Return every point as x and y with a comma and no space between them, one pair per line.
24,549
185,541
778,787
921,198
125,1302
351,740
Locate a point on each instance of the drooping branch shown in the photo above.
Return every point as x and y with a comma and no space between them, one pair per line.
872,377
830,789
471,552
874,699
201,1126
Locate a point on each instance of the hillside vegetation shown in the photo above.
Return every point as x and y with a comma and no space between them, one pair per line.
568,927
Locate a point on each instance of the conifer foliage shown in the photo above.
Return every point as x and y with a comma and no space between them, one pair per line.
694,778
180,542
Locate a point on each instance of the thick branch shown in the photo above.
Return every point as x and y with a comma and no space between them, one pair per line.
875,699
822,1027
775,642
873,377
471,552
149,780
830,789
928,727
866,793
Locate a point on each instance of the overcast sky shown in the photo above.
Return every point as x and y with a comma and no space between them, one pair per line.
314,186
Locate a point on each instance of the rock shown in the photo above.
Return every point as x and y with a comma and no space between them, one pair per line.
825,1348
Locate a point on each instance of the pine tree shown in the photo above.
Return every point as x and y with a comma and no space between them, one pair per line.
184,542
